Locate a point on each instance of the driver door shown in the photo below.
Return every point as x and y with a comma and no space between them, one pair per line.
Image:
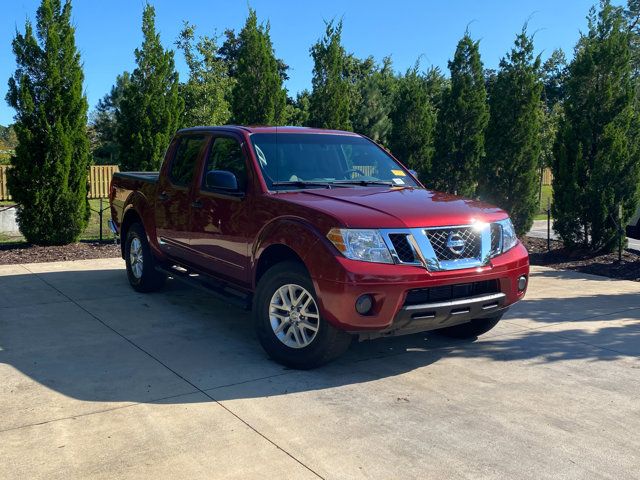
221,217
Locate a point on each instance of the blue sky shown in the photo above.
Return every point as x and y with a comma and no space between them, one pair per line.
109,30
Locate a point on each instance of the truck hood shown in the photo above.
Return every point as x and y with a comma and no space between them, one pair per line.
382,207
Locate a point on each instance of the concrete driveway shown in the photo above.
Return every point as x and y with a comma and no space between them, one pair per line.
97,381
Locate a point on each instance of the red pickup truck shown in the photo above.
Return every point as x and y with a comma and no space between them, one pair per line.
322,233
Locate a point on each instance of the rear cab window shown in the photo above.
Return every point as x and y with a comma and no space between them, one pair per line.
183,166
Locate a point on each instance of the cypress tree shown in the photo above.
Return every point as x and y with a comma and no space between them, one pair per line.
49,175
258,95
330,103
151,106
597,163
509,174
413,121
462,121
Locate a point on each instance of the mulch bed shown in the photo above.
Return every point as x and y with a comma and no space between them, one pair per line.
585,261
26,253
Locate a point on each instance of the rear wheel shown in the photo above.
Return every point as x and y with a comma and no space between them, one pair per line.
288,321
472,329
141,265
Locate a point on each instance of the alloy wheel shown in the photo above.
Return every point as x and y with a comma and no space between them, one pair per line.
294,316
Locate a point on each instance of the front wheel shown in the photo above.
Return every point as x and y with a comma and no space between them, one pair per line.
472,329
141,265
288,321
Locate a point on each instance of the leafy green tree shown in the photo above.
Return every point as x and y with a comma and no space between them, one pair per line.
49,175
554,76
258,95
102,125
413,120
207,91
597,163
298,109
330,103
462,121
151,106
371,113
8,143
508,173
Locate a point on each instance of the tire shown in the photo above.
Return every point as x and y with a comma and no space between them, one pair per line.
288,337
141,266
472,329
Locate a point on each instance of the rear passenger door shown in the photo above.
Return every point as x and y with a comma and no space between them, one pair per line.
172,212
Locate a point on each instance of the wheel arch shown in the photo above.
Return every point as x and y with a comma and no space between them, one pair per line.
289,239
130,217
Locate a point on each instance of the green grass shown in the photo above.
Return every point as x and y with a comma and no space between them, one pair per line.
92,232
547,194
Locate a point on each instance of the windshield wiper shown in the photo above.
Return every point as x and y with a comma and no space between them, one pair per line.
302,184
364,183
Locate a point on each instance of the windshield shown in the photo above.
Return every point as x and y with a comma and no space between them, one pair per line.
299,160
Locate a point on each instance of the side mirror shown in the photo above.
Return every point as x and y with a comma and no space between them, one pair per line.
222,180
414,173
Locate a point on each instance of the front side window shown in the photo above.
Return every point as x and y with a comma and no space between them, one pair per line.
292,160
226,155
184,162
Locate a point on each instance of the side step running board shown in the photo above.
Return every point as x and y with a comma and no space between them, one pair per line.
220,290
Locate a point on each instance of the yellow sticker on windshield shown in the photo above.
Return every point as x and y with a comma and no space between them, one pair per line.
399,173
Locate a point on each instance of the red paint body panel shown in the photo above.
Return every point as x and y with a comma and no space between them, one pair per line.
227,235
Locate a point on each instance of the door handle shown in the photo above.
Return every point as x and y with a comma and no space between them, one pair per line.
196,204
163,196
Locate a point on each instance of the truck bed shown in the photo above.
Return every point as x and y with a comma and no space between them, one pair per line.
147,177
124,184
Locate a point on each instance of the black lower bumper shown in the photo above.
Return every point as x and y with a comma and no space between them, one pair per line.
433,316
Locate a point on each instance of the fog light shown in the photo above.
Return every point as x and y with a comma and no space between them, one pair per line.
364,304
522,283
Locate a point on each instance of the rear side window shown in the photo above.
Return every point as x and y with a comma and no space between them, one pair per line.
184,162
226,154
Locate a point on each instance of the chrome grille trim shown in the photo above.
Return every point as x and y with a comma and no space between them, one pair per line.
425,254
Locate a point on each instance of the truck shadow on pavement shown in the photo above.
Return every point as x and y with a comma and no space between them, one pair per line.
86,335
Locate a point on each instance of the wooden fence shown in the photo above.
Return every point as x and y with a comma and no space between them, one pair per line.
99,180
4,193
547,176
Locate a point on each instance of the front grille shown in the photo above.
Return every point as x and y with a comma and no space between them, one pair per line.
443,241
403,248
419,296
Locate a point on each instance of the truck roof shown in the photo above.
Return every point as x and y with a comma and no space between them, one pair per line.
267,129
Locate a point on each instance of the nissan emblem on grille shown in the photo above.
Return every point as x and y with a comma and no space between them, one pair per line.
455,243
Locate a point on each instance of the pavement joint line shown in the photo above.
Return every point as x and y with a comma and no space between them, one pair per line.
250,381
35,304
97,412
67,301
246,423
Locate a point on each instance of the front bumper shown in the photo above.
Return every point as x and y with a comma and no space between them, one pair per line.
340,283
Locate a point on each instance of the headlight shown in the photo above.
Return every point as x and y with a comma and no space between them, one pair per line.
509,238
364,245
